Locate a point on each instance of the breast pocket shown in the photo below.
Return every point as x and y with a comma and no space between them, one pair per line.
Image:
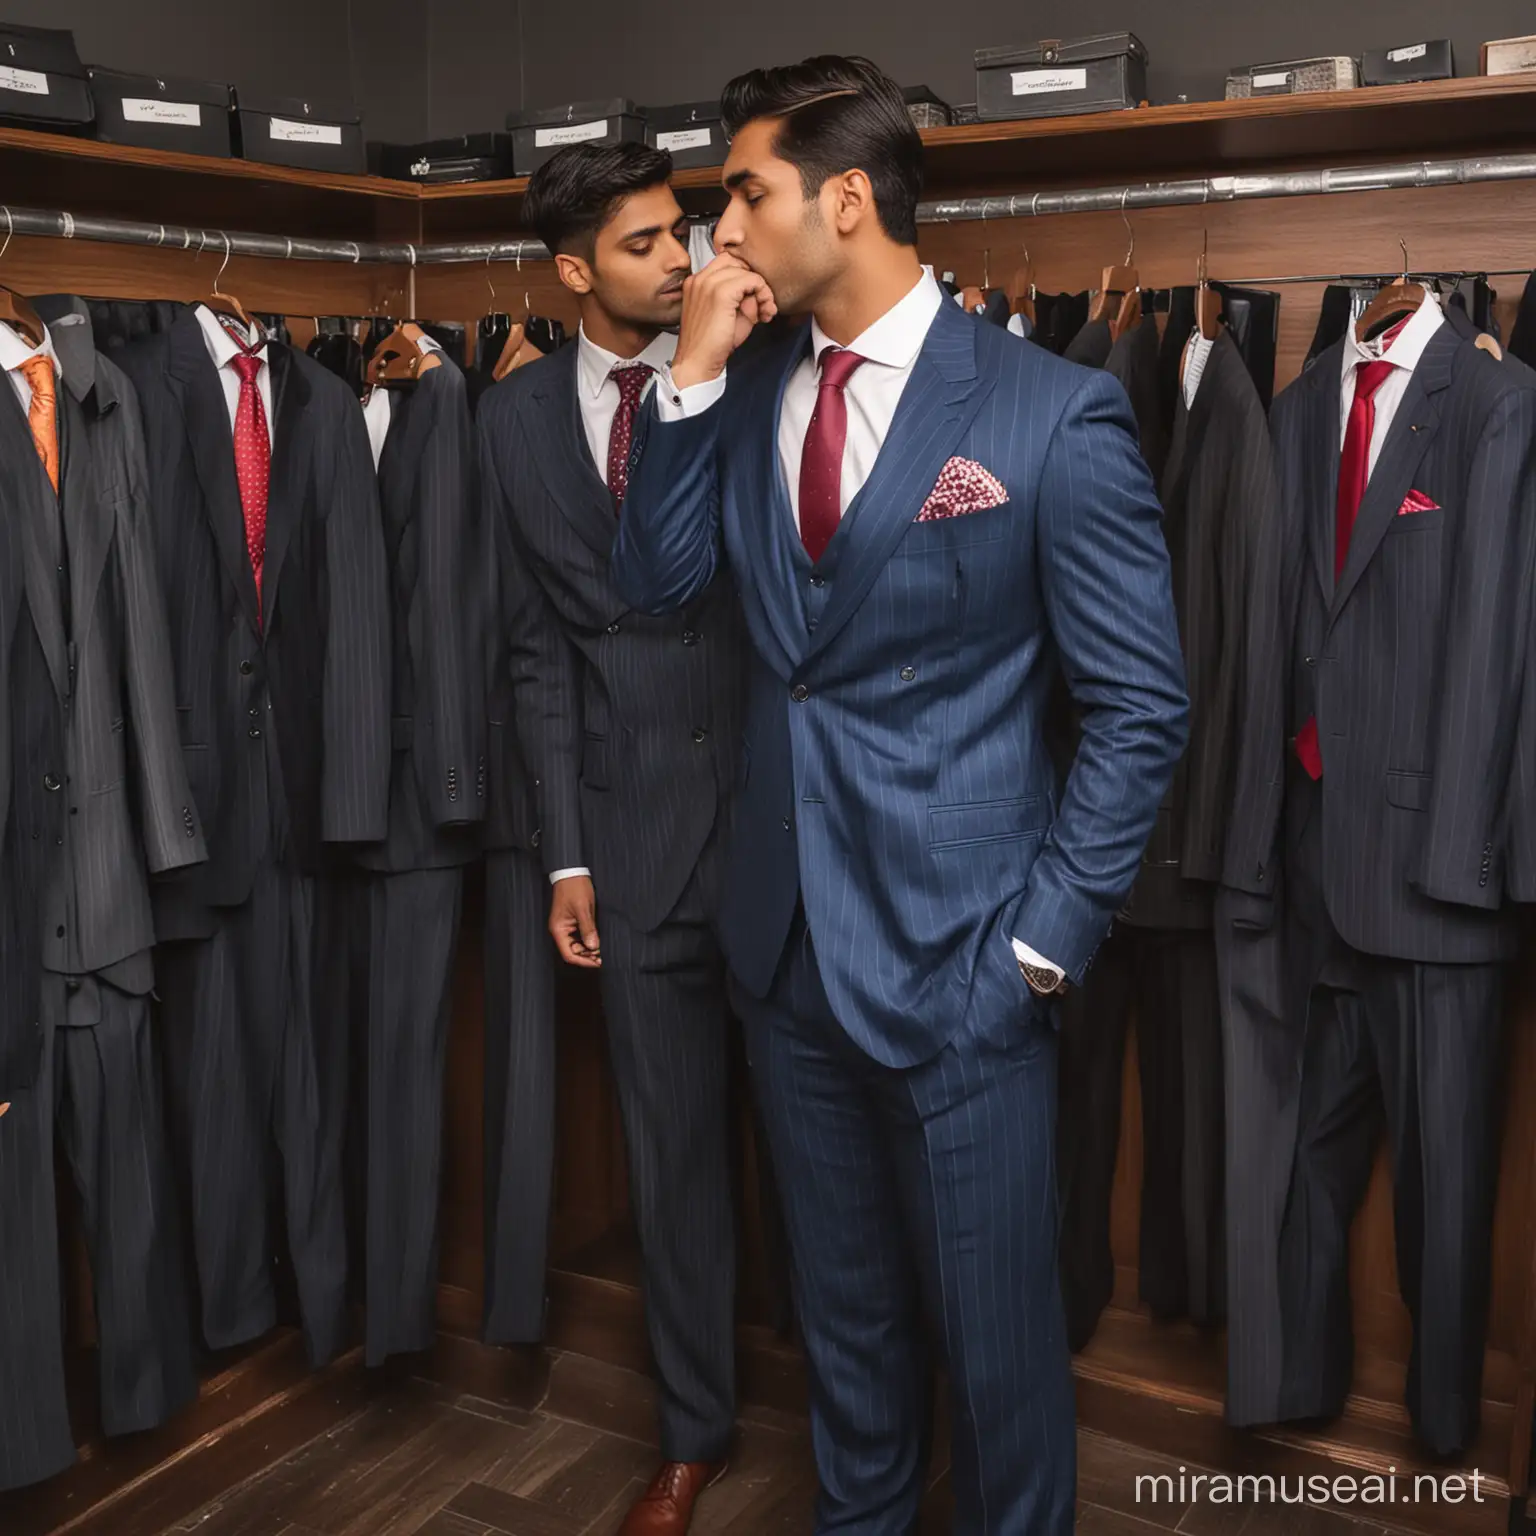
944,534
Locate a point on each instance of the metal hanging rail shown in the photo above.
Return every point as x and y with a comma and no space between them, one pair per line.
1231,189
1155,194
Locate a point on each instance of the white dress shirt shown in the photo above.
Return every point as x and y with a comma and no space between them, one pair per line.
16,350
1197,353
222,348
1404,354
891,346
378,411
599,394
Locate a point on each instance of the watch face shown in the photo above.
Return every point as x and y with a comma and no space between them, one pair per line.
1040,979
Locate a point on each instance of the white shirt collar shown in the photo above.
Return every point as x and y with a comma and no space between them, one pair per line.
1406,350
595,363
14,351
898,335
221,345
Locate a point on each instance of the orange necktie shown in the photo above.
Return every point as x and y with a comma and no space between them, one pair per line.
43,414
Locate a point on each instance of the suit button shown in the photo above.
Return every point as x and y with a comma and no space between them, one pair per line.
58,932
786,824
255,732
818,581
613,629
1261,874
1311,661
255,714
799,693
51,783
699,733
536,839
73,984
908,673
690,637
246,668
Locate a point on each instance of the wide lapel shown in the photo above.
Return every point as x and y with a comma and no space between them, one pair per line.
776,558
206,415
557,442
293,445
42,579
1322,434
1413,430
937,407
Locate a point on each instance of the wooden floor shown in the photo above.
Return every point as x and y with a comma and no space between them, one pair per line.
420,1459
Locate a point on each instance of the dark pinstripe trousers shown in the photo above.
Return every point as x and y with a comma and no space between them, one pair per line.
669,1038
412,931
1417,1050
1169,977
519,1095
99,1092
258,1078
921,1199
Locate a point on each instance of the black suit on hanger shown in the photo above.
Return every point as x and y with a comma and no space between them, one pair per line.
284,718
1366,978
636,749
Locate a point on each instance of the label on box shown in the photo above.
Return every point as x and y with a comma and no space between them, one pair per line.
179,114
1048,82
572,133
1403,55
32,81
290,132
1510,55
687,138
1272,82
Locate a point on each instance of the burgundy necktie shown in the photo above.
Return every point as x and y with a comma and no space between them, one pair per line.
253,462
1354,474
821,465
631,379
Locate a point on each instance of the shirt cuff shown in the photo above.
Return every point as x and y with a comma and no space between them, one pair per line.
569,874
1027,956
674,404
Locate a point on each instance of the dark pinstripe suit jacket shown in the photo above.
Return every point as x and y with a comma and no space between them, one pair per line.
1407,663
640,718
1220,491
897,776
115,799
430,504
316,658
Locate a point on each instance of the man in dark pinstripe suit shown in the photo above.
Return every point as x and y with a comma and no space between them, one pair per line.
927,520
1372,813
635,743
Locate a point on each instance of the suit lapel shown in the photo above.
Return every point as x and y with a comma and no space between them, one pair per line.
42,580
292,435
87,519
1322,484
557,442
1413,430
937,407
206,416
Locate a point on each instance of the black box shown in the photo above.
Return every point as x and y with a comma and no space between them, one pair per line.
285,130
189,115
42,81
470,157
925,108
539,135
1398,66
1060,79
693,135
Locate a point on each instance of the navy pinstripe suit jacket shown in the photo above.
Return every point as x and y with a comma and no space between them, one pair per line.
896,778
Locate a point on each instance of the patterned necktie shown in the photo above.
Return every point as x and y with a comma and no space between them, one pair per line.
631,379
1354,474
821,464
43,414
253,462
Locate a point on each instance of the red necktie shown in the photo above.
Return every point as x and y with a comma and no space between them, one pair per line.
821,465
631,379
1354,473
253,462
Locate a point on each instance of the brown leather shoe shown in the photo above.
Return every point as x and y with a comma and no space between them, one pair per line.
666,1509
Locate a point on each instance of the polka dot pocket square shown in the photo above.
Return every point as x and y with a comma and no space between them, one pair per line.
1417,501
963,487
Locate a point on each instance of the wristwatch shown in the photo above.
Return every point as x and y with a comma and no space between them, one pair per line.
1043,980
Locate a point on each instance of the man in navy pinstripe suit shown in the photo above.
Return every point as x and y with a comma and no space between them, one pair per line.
927,519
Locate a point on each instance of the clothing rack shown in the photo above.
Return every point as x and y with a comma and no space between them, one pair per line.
1155,194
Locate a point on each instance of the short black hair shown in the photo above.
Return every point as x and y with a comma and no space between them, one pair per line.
839,114
575,192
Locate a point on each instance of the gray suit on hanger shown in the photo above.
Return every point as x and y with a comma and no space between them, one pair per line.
98,802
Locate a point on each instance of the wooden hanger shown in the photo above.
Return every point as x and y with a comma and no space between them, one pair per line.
14,309
221,303
1400,298
1021,289
1207,304
403,356
1120,289
512,349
